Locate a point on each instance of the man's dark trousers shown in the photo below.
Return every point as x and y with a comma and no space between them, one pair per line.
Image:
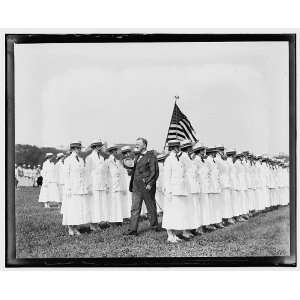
145,173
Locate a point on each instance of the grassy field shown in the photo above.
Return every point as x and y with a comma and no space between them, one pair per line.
39,234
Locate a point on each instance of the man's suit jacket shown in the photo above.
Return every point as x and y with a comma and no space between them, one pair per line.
145,171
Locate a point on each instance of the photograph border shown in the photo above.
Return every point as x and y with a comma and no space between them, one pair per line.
10,228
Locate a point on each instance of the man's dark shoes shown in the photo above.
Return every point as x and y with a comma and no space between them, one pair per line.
130,232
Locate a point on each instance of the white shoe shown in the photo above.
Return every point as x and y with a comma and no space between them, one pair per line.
177,239
77,232
171,240
93,227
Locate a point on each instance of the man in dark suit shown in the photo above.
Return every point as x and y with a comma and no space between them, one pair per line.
143,186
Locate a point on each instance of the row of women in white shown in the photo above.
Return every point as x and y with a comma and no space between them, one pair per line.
26,175
195,190
91,191
204,188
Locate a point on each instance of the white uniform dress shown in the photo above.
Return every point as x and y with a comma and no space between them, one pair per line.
178,207
277,185
214,195
160,188
236,207
226,204
43,197
97,181
248,191
25,181
242,187
194,188
76,210
52,184
252,186
204,189
126,178
60,176
118,201
286,190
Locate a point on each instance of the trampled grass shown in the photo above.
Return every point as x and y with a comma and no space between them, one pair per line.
39,234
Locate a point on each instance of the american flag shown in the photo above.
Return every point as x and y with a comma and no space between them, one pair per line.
180,127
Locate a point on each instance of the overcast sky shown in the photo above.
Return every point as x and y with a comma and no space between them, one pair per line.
234,94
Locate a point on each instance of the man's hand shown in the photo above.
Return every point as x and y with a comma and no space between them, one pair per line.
148,187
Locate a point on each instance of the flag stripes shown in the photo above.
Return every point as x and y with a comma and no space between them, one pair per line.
180,127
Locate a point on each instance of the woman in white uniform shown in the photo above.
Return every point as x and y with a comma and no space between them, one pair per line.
252,184
97,172
215,190
60,174
117,188
76,210
177,204
192,182
241,177
43,197
200,154
226,203
233,180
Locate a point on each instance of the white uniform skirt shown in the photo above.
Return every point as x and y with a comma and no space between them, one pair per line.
251,199
274,197
204,209
129,203
261,198
247,201
76,210
98,206
197,218
278,197
118,209
243,202
49,193
285,195
179,213
235,203
159,197
61,192
215,208
227,203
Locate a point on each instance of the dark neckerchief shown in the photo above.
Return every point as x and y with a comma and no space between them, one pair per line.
178,155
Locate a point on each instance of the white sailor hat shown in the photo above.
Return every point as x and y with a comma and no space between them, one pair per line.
112,147
198,146
39,165
96,143
76,144
59,155
49,154
24,165
185,143
125,149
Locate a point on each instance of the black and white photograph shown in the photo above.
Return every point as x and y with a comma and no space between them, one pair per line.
153,149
